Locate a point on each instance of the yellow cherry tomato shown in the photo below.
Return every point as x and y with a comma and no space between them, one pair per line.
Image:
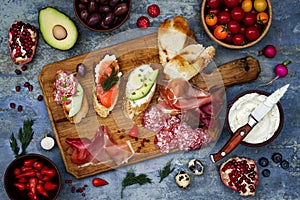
247,5
260,5
262,18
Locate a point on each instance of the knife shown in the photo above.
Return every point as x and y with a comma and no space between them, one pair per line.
255,117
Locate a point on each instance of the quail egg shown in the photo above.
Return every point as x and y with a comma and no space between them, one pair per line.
182,179
196,167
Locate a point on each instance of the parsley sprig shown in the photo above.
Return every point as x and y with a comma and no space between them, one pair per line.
166,171
25,136
132,179
111,79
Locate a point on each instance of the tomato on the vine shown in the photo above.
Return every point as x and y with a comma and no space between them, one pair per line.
260,5
237,13
252,33
211,19
247,5
220,32
262,18
223,17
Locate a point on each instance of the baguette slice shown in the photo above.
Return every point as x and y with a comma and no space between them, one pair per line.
189,62
101,69
136,80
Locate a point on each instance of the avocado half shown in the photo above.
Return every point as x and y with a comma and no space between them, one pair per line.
57,29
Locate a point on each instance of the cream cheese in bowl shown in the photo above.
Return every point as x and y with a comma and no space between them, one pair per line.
266,130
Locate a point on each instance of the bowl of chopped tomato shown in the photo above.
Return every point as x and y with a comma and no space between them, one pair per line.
236,24
32,176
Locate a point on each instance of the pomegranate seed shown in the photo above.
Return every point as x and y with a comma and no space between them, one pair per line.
83,194
73,189
12,105
40,98
30,87
153,10
18,88
20,108
143,22
26,84
24,68
18,72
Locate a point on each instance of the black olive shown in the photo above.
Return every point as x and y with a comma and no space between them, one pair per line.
84,14
104,9
94,19
121,8
93,7
109,18
113,3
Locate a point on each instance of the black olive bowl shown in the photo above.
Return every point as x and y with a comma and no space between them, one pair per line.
9,178
102,15
275,133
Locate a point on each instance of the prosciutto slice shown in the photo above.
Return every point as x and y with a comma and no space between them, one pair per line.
101,149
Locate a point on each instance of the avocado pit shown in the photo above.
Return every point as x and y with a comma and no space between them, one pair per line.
59,32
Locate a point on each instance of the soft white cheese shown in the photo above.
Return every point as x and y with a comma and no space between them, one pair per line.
240,111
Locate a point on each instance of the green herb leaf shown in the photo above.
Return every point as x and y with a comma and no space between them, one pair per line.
14,145
132,179
111,79
166,171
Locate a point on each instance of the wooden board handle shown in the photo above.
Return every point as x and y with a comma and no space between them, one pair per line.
234,72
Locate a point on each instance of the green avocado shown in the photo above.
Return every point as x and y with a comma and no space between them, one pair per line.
146,87
57,29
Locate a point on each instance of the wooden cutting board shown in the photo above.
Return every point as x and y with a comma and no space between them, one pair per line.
130,54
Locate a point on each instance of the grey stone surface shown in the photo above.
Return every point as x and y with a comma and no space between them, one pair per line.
284,34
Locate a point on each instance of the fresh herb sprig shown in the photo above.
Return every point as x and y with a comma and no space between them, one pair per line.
25,136
166,171
111,79
132,179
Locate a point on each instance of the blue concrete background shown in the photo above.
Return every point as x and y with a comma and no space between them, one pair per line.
284,34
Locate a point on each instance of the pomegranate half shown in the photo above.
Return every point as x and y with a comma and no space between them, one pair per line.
240,174
22,42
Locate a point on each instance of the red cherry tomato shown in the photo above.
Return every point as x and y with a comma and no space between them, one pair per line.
231,3
233,27
238,39
242,29
220,32
228,38
237,13
223,17
249,19
213,3
252,33
214,11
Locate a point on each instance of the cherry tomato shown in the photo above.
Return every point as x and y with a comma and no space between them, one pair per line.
223,17
211,19
260,5
228,38
214,11
233,27
237,13
252,33
213,3
247,5
249,19
231,3
238,39
242,29
262,18
220,32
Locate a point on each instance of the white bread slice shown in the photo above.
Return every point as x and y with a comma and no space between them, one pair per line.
133,108
189,62
172,37
101,110
82,112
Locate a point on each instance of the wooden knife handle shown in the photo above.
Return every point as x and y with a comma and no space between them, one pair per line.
232,143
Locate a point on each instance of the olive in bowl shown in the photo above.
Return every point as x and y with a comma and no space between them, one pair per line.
102,15
236,24
32,176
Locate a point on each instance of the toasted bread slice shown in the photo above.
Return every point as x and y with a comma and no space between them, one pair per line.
82,112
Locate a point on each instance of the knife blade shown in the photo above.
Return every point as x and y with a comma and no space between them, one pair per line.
255,117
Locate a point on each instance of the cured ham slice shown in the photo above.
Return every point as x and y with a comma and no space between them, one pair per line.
101,149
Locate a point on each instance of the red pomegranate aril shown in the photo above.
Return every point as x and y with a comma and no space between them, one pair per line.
24,68
18,72
30,87
18,88
20,108
12,105
143,22
26,84
153,10
40,98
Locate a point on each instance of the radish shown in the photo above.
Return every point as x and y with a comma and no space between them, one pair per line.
269,51
280,70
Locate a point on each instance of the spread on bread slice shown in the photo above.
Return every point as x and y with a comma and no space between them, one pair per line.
69,93
107,80
140,89
179,53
